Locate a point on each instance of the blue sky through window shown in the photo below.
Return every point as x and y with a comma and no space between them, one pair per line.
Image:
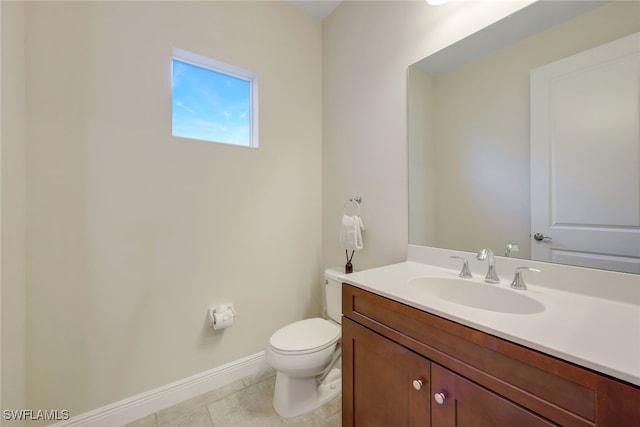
210,105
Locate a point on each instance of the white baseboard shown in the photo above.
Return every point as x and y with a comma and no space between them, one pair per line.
135,407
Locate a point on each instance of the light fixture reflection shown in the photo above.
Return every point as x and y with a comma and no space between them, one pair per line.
436,2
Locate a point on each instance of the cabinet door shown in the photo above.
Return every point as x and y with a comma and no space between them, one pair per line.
467,404
384,383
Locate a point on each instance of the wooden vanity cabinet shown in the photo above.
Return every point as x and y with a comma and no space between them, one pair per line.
384,374
397,358
467,404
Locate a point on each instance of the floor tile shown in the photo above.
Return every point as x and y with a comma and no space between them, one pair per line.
330,408
244,403
182,409
258,377
148,421
251,406
196,418
334,420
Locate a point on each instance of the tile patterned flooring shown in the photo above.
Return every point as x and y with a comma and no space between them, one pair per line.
244,403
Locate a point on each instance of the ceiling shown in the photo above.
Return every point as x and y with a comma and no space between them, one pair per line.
317,9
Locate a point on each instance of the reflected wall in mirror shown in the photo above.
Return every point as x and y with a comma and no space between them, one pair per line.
469,127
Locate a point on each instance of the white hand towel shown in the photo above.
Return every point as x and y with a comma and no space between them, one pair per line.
351,232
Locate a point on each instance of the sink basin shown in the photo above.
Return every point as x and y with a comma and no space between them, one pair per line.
478,295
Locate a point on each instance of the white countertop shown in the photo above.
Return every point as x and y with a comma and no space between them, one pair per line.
599,333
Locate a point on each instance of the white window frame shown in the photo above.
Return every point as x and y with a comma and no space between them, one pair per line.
233,71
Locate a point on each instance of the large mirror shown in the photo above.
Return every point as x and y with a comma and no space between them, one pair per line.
470,116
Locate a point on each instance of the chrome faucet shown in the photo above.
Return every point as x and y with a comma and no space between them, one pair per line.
491,276
518,283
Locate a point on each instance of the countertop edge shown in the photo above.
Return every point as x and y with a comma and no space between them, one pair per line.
355,280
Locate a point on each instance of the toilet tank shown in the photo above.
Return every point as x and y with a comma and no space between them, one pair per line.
333,292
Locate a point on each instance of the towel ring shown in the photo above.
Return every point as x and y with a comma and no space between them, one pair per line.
352,207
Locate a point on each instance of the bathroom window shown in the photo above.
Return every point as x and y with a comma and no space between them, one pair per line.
213,101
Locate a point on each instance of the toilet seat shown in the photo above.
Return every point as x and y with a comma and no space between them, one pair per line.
305,336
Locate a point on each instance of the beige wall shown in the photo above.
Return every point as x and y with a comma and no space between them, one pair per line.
132,233
367,47
13,204
482,132
422,164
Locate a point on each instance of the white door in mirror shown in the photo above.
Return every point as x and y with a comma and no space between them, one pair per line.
585,146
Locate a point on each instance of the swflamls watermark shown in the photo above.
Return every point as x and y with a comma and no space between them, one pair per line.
35,414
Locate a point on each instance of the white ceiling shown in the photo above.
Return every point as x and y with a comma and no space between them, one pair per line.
318,9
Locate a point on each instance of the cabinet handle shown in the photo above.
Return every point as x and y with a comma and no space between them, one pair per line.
440,398
417,384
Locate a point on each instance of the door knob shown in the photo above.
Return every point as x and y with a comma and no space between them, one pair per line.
417,384
440,398
540,237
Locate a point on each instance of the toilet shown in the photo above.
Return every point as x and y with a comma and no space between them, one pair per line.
306,356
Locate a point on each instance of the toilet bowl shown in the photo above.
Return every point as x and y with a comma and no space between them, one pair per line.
306,356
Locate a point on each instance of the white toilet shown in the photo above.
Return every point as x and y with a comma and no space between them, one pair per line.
306,356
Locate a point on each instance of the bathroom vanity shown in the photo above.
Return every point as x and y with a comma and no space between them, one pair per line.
410,359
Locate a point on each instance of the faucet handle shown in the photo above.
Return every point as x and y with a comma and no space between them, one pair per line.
511,248
465,267
483,253
518,282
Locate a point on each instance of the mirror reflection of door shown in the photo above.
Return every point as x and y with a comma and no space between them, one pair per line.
585,158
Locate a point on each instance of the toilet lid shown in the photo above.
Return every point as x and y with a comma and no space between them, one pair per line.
305,335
